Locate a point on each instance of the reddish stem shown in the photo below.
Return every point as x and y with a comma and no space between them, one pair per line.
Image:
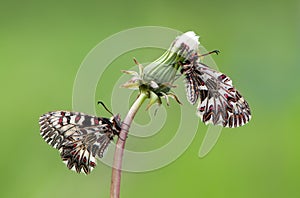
118,157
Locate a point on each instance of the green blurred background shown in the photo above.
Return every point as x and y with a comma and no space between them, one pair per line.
42,44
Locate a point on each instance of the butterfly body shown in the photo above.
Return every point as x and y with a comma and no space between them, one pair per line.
80,138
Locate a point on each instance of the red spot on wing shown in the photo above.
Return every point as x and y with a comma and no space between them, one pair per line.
201,109
60,120
92,164
77,118
222,77
96,121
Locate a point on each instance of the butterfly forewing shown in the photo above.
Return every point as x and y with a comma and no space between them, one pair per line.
80,138
192,84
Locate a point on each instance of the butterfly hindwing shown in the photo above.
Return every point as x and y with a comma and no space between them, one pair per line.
76,156
220,103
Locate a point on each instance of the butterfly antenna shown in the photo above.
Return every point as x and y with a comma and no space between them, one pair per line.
212,52
100,102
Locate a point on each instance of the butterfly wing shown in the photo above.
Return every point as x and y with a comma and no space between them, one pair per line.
192,84
79,137
220,103
84,146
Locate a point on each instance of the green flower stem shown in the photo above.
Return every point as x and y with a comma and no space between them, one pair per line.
118,157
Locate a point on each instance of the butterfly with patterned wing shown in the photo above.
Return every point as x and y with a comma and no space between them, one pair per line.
220,103
80,138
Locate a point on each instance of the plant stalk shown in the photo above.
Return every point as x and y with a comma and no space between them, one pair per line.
118,157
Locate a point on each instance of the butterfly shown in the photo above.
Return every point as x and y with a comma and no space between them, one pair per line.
80,138
219,102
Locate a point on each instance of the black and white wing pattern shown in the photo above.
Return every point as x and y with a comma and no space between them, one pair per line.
80,138
192,83
220,103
